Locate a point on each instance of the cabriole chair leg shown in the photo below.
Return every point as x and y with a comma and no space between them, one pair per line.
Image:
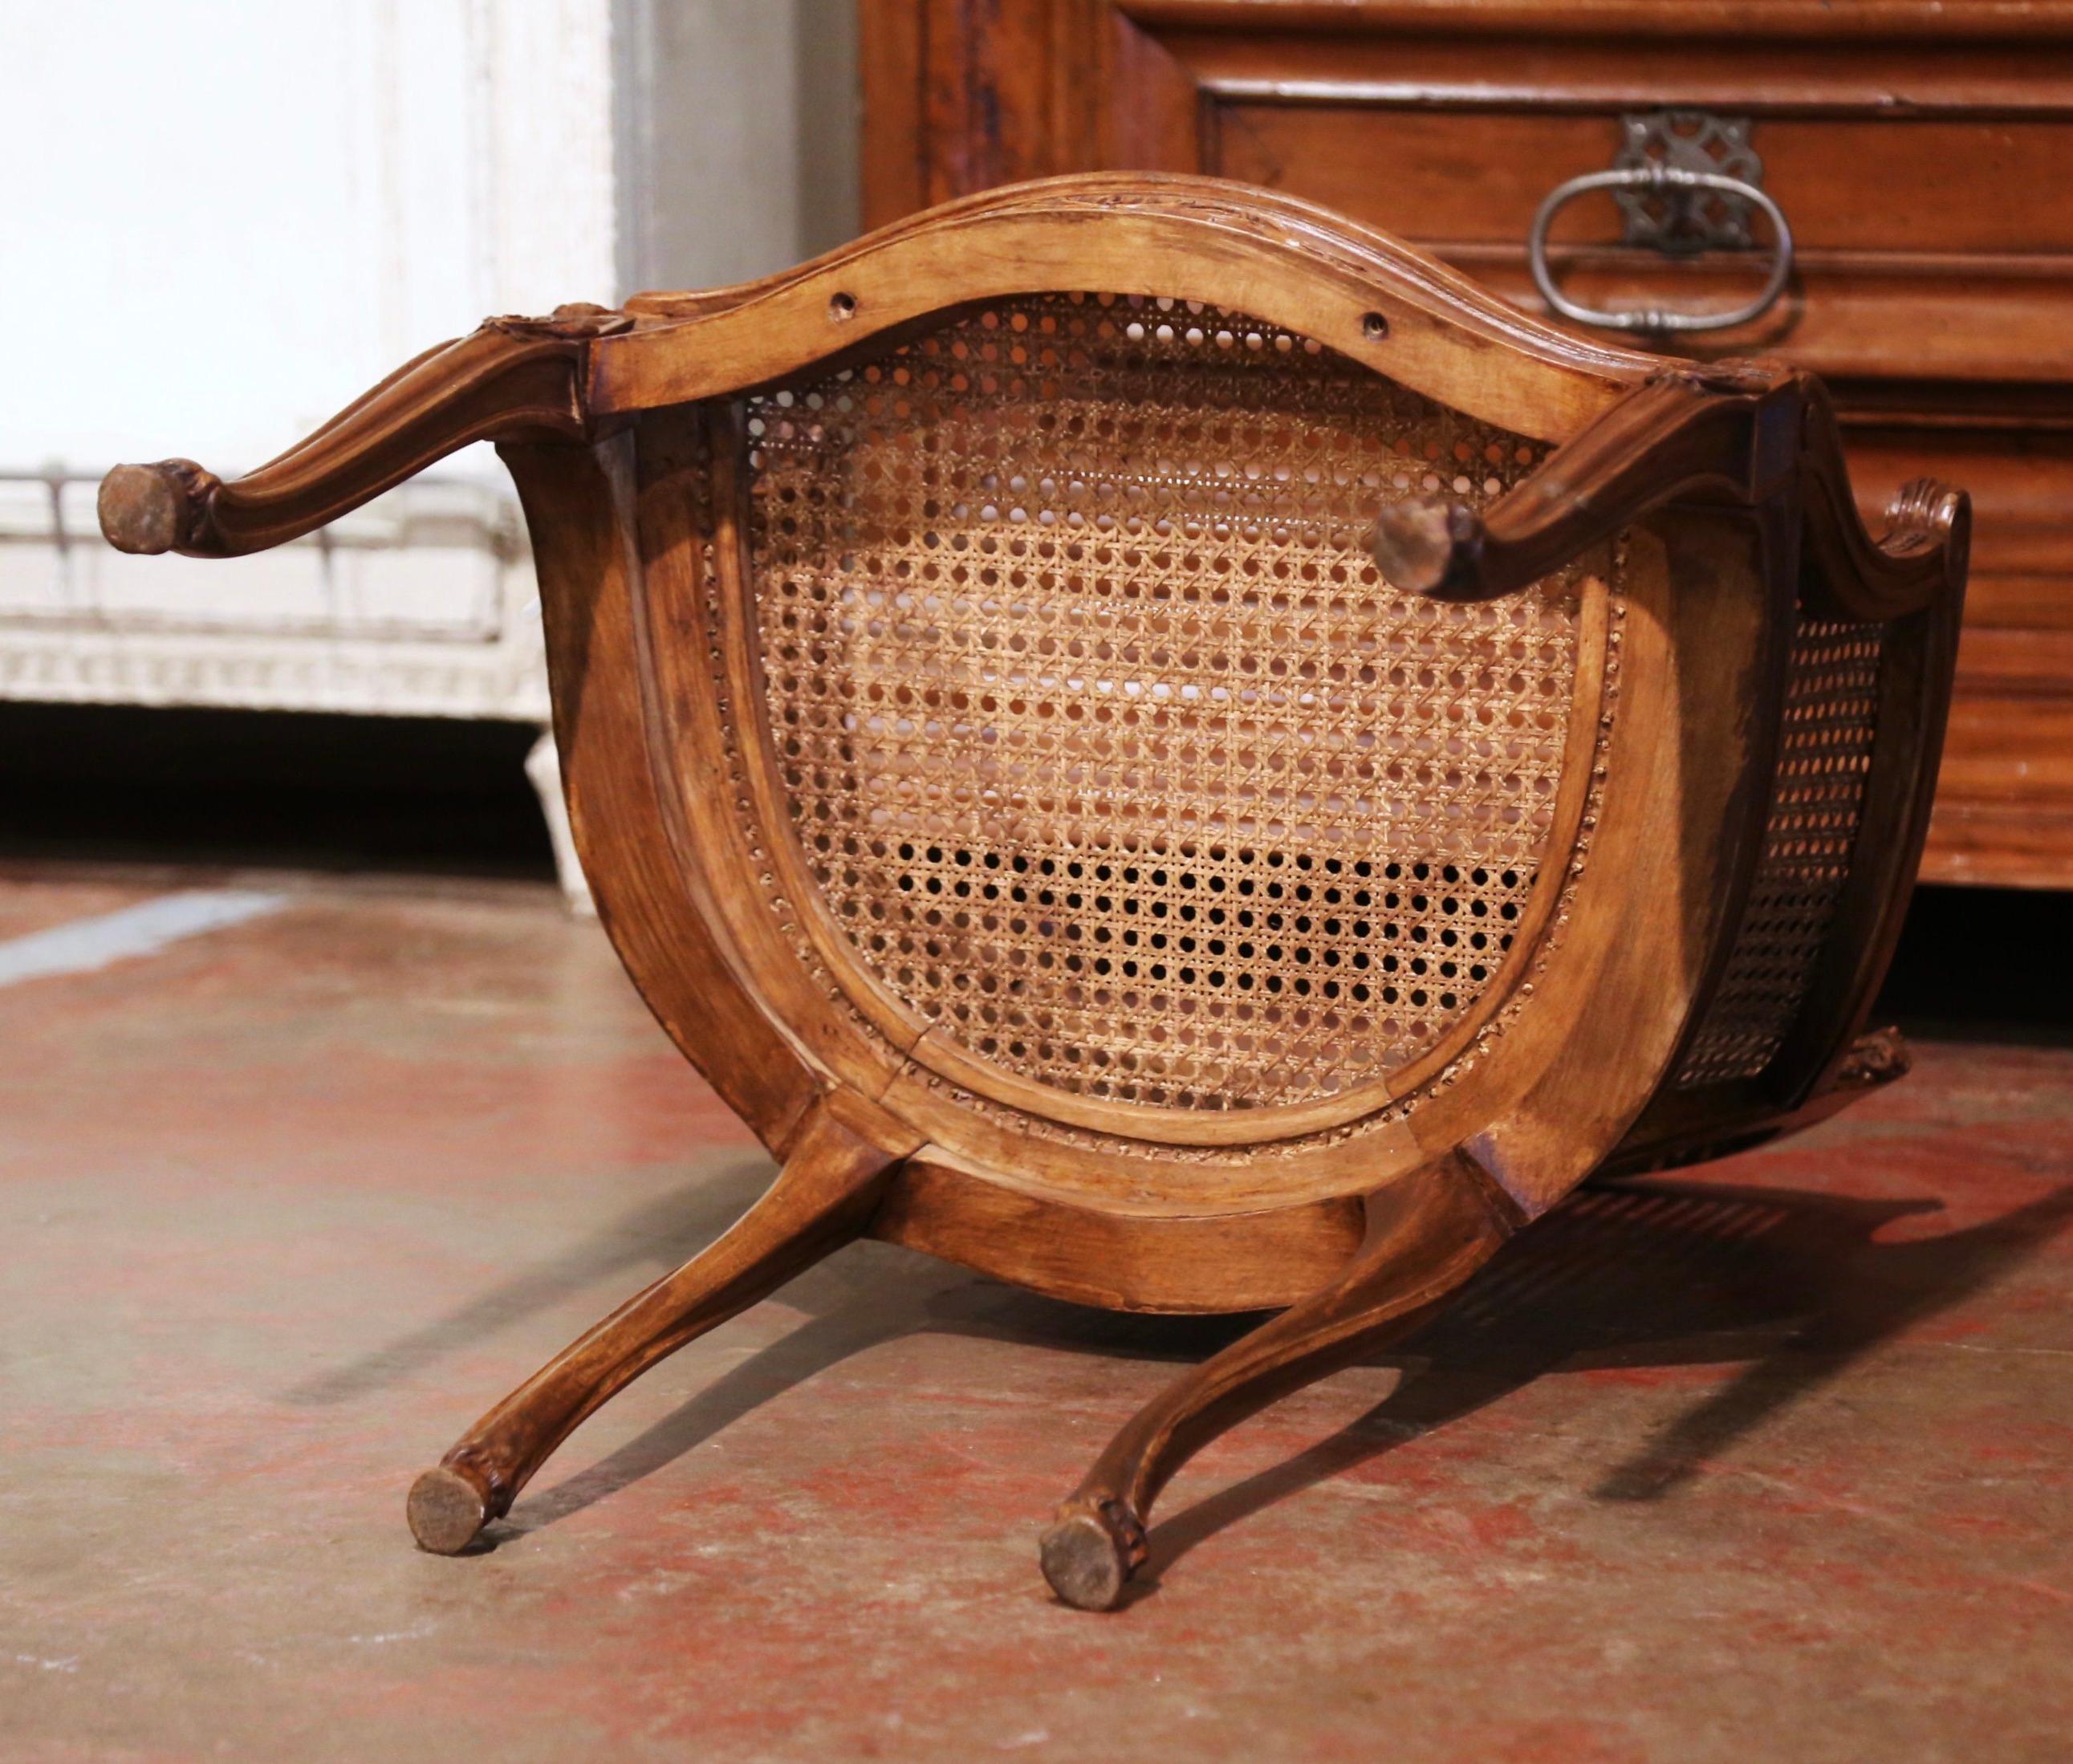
823,1197
1425,1236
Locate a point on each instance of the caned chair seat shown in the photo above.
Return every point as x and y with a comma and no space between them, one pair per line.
1158,744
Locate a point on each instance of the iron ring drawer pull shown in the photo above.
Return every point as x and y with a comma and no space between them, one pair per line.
1657,177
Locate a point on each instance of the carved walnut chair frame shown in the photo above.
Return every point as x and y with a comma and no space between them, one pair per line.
1024,775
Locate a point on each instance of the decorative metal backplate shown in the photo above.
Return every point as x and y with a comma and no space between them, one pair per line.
1682,223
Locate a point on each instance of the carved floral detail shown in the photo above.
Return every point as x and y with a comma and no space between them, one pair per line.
574,322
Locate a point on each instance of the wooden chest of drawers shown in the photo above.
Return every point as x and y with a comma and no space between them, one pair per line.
1922,153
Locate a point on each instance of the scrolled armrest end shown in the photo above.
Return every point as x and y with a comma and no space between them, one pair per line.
1430,546
146,509
1927,516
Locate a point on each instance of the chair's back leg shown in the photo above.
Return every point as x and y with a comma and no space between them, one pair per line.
824,1196
1425,1236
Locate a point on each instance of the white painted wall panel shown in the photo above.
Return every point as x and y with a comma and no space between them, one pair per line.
226,218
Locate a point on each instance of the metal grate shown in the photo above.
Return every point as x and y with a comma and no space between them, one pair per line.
1111,751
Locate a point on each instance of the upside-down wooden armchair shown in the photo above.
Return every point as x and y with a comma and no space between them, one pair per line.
1159,745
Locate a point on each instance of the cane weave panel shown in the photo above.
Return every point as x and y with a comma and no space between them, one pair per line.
1824,757
1108,747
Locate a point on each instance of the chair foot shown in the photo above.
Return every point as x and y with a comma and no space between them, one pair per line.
446,1511
1089,1554
1425,1236
823,1197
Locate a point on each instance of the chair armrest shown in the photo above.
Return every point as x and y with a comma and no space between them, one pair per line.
1738,433
512,379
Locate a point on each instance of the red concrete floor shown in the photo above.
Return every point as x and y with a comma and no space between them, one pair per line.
1771,1461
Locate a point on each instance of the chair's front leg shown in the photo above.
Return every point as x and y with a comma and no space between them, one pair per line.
823,1197
1425,1236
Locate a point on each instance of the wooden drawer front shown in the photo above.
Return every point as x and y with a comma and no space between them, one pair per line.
1938,245
1460,175
1923,152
